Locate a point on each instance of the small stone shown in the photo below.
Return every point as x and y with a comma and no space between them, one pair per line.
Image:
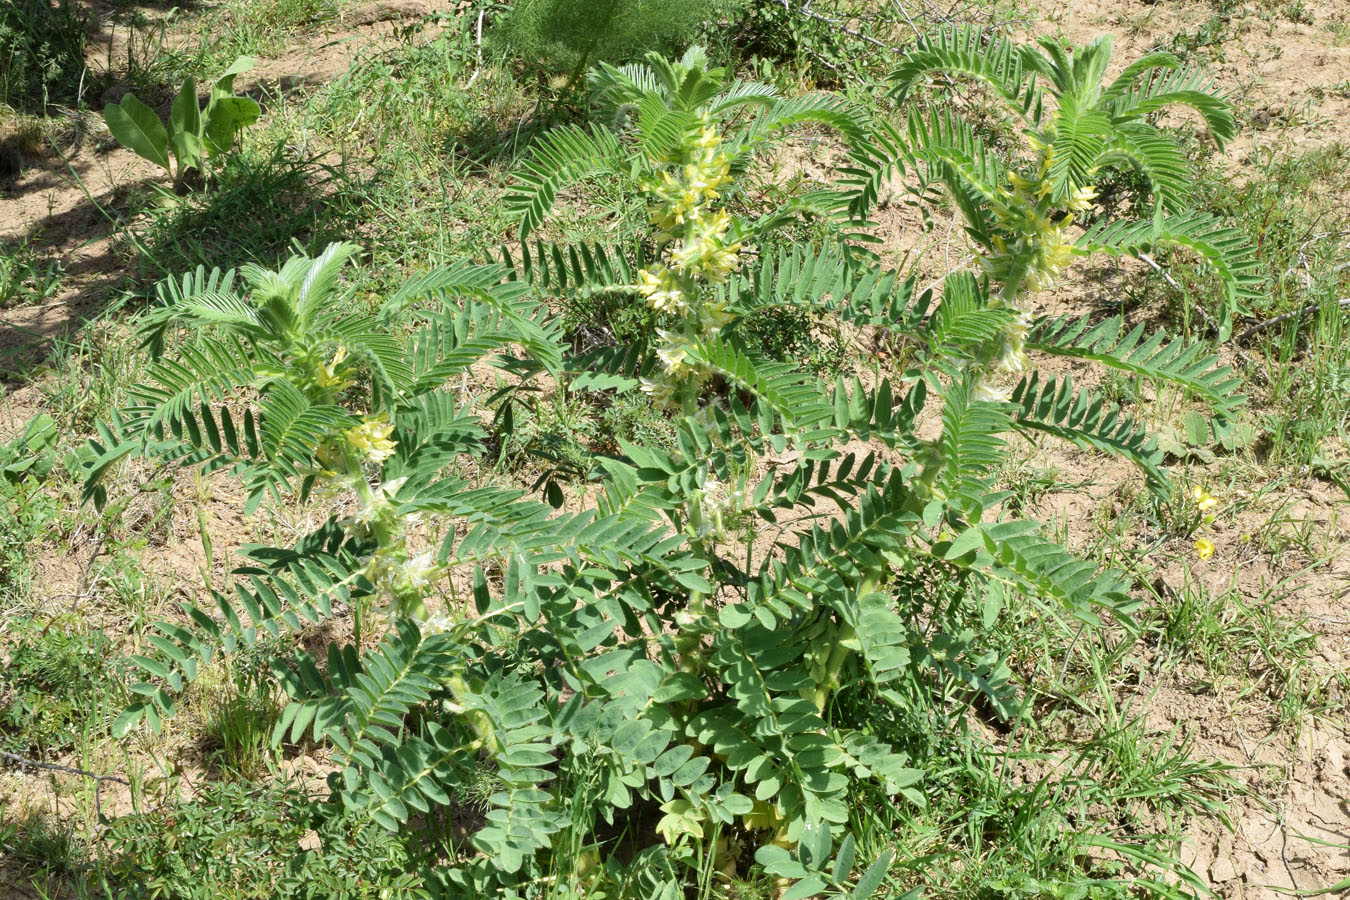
1221,870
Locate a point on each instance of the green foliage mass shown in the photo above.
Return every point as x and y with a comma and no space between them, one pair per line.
58,680
193,132
730,642
242,843
1076,127
570,35
41,53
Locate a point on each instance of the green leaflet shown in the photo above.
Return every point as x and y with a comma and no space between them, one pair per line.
136,127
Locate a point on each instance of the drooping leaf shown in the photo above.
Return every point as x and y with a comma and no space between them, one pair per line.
136,127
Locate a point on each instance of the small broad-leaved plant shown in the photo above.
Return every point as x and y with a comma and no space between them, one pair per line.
194,133
710,660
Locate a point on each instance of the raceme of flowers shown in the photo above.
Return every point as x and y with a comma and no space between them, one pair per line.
1031,249
400,576
702,250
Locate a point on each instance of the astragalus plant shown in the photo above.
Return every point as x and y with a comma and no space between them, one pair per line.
704,668
1074,128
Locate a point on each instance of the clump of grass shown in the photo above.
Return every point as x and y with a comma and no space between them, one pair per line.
258,27
26,510
41,53
1248,645
26,277
246,842
261,204
62,687
238,715
40,847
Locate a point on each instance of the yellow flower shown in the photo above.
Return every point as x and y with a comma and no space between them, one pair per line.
661,392
707,139
371,439
1082,198
673,354
1018,182
662,290
705,176
712,315
1204,548
705,251
328,376
1203,499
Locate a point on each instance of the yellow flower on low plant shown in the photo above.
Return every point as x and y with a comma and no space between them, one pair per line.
1204,548
1205,502
1203,499
371,440
328,377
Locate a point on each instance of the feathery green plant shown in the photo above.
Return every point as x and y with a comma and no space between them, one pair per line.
649,109
573,35
1020,209
681,659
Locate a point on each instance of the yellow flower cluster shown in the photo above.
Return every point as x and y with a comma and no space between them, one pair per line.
1033,239
1029,251
404,579
1028,236
673,354
660,390
662,291
1205,502
699,171
330,376
703,252
713,509
371,440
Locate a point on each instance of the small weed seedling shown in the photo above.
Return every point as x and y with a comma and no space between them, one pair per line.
194,133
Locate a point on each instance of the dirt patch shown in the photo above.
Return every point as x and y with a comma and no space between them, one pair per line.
1286,67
